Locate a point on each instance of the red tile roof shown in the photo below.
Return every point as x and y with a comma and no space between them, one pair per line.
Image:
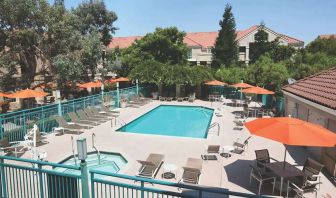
203,39
319,88
327,36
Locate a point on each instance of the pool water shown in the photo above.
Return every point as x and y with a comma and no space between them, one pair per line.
109,162
172,120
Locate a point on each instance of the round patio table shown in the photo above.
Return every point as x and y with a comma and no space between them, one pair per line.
226,151
169,171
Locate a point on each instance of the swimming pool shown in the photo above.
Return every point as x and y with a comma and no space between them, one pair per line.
172,120
109,162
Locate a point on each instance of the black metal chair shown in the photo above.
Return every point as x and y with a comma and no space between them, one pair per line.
301,186
261,177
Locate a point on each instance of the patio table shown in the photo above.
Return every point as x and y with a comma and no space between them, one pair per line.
286,172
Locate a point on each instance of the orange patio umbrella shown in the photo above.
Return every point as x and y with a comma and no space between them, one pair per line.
27,93
242,85
3,95
121,79
257,90
91,85
215,83
292,131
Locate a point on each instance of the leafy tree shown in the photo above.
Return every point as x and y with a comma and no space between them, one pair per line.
327,46
280,52
94,16
225,51
22,25
231,75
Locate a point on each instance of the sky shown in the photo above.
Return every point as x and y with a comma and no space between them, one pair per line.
301,19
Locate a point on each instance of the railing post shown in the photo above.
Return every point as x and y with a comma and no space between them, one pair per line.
24,123
142,189
118,95
92,186
1,129
73,106
199,194
137,86
84,179
41,181
43,119
3,180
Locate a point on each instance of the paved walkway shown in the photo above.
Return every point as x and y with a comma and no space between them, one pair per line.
231,173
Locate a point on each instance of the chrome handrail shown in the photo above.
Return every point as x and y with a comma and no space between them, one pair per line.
95,148
73,150
215,124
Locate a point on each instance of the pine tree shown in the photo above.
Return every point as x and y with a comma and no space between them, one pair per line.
225,51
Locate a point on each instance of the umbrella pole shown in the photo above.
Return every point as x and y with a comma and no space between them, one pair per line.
284,163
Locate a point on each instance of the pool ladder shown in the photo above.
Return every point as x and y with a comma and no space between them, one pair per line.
94,147
215,124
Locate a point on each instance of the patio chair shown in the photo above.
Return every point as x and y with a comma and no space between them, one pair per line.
40,136
239,124
74,118
262,158
312,170
179,99
241,147
12,148
192,171
82,115
169,99
68,126
261,177
301,186
191,98
150,166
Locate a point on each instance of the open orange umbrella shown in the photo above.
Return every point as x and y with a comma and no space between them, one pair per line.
3,95
292,131
257,90
27,93
121,79
242,85
91,85
215,83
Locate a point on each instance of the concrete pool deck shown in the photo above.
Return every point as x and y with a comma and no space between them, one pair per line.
232,173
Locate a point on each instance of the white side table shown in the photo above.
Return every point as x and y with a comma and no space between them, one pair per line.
58,129
169,171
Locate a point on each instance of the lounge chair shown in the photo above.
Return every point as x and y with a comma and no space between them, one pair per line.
192,98
213,149
95,116
162,98
82,115
179,99
169,99
104,108
150,166
103,113
241,147
12,148
68,126
74,118
40,136
192,171
239,124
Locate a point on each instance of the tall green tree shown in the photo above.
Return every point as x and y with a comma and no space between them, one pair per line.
225,51
260,45
95,16
319,45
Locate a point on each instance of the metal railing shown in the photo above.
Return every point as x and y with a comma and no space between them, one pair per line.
14,125
218,127
24,178
113,185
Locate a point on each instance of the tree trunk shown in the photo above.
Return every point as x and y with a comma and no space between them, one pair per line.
28,67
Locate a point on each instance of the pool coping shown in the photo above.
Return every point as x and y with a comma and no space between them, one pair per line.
206,133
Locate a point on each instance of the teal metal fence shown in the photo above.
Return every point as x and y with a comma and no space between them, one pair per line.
113,185
24,178
14,125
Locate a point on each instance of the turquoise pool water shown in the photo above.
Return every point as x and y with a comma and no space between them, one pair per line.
171,120
109,162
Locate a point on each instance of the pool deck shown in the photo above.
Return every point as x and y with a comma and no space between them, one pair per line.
232,173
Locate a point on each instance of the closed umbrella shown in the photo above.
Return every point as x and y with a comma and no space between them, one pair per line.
292,131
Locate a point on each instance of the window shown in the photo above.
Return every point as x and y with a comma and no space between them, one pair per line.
189,53
242,49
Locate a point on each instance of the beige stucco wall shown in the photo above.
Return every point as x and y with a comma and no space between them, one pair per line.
323,116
